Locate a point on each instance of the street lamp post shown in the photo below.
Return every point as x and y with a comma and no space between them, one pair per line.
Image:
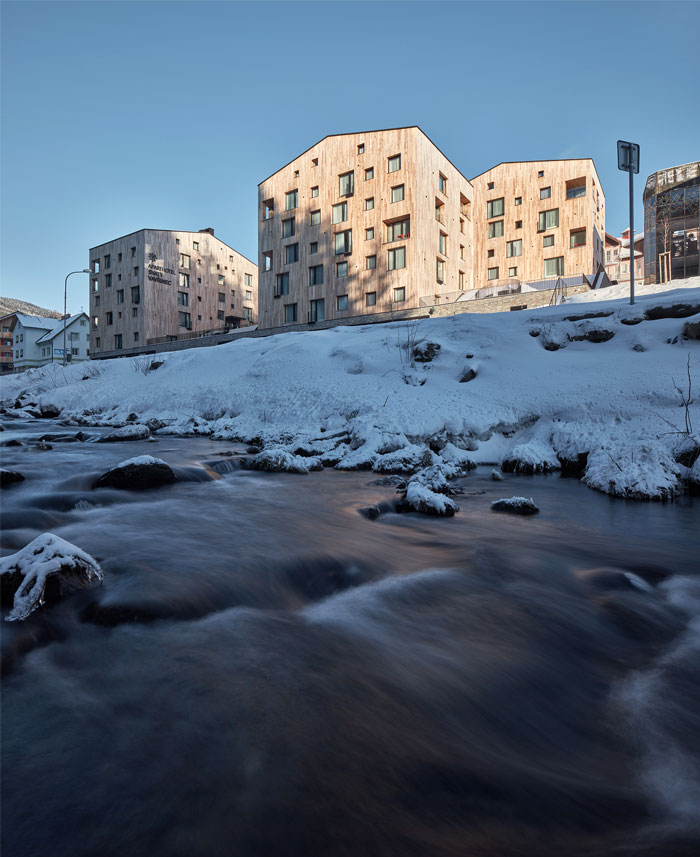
65,303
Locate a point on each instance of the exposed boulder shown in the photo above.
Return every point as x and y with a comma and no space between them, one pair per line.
679,310
585,315
496,475
47,569
10,477
43,446
467,375
687,451
421,499
595,334
425,352
691,330
515,505
138,474
49,412
130,432
405,460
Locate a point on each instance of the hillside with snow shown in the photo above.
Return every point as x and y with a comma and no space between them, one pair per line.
595,388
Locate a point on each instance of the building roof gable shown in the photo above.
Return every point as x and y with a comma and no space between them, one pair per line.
58,328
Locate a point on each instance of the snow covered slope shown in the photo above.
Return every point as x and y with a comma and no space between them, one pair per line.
543,386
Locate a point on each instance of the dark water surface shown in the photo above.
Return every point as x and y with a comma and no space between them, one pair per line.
265,671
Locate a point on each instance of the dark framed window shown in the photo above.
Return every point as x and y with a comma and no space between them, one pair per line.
494,208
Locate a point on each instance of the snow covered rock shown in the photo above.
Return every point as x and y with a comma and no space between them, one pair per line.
535,456
8,477
634,472
404,460
457,456
496,475
516,505
278,460
692,477
425,352
421,499
42,572
130,432
138,474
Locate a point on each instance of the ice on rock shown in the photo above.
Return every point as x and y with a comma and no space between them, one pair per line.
48,559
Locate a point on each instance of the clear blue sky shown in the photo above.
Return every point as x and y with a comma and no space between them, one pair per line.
119,116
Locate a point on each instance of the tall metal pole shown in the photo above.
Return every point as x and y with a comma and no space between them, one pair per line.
65,303
631,174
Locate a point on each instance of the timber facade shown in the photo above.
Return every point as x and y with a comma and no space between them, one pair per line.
364,223
155,286
537,221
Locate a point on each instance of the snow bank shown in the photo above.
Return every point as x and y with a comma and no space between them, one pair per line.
645,472
27,572
542,406
279,459
534,456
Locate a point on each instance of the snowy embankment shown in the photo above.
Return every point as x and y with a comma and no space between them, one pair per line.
596,389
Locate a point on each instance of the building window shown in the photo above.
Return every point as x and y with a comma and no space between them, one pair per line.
394,163
291,199
370,263
98,342
95,321
518,224
518,200
398,193
369,174
108,261
369,203
548,220
540,174
95,266
314,191
490,185
439,211
491,253
545,192
554,267
514,248
222,297
442,183
120,296
398,229
548,241
361,149
461,225
248,279
461,251
343,242
346,184
577,238
195,245
184,280
97,300
117,341
314,162
133,252
494,208
288,228
461,280
282,286
109,318
316,275
399,294
136,336
249,296
397,258
75,351
267,260
370,298
108,281
95,285
136,269
493,273
184,260
340,212
291,254
341,303
248,313
220,315
341,269
496,229
268,209
512,272
576,188
318,310
134,312
443,244
313,247
183,299
440,271
369,233
315,218
221,280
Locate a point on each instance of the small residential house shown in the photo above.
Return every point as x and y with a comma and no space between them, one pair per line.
76,341
37,340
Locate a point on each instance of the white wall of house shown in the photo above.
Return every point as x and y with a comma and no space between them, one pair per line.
77,341
27,353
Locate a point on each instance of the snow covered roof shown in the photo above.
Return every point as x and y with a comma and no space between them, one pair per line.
35,320
57,327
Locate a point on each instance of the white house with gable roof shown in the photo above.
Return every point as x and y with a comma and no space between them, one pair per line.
77,341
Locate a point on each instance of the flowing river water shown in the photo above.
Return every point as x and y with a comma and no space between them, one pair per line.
266,671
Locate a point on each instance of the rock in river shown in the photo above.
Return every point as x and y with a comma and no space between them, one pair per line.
138,474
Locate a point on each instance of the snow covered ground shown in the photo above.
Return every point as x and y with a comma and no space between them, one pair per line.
534,390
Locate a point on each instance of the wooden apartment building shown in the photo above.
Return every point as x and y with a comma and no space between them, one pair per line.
363,223
156,285
536,221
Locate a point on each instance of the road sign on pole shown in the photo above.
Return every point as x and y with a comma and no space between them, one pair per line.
628,161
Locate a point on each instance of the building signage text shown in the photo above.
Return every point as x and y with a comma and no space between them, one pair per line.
157,274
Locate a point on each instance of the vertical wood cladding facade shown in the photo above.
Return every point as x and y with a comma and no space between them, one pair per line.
157,283
350,228
555,209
